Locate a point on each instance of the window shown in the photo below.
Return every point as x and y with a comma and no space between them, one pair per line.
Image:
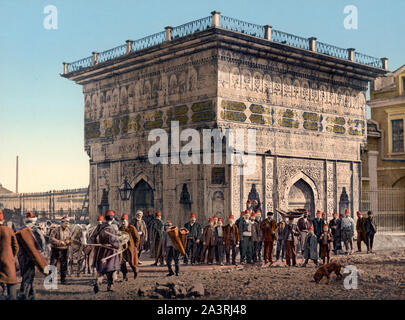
403,85
397,126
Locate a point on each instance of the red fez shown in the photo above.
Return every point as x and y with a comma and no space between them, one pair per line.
30,215
325,225
1,216
193,215
249,201
359,213
215,217
147,211
258,211
311,227
247,212
158,214
253,214
324,214
220,219
210,220
100,218
124,217
334,212
318,212
346,210
110,213
231,217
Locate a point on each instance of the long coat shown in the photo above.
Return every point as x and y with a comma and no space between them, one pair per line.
208,236
311,247
370,226
8,251
131,254
106,234
227,234
140,226
156,234
360,225
269,229
256,231
318,226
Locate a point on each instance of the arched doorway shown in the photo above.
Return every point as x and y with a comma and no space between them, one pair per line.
301,196
142,198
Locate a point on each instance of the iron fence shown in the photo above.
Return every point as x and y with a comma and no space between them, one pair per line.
191,27
241,26
290,39
331,50
228,23
368,60
388,206
149,41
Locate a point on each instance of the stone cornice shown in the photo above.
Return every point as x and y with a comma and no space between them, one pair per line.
386,102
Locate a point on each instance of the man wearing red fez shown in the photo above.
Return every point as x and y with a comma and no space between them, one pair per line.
318,223
219,242
325,243
361,232
310,247
231,240
8,252
290,232
246,242
269,228
100,219
60,238
106,235
208,242
156,238
130,255
27,264
347,225
193,239
336,229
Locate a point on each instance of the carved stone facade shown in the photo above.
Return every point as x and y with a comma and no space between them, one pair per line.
309,113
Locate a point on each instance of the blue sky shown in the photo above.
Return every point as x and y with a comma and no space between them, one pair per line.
41,113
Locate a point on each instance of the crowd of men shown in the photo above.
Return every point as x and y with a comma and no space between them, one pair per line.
254,237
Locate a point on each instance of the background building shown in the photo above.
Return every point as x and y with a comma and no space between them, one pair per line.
384,157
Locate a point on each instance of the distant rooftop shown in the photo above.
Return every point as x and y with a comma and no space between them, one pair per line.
216,20
4,190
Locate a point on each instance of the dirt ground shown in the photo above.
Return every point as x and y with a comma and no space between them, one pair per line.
381,275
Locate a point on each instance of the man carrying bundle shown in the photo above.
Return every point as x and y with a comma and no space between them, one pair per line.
130,255
106,236
171,252
8,252
26,254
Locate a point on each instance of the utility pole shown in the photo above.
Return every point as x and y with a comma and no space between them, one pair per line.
16,177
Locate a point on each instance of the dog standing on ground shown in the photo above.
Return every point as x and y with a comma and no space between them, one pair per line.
327,270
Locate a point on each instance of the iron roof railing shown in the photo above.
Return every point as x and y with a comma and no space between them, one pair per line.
227,23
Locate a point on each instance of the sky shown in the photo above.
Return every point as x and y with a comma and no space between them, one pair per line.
42,114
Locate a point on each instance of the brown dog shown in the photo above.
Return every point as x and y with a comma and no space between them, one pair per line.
326,270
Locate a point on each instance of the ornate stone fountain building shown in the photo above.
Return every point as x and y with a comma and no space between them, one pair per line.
305,98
